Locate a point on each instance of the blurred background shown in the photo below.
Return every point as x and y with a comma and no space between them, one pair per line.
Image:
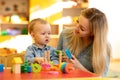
16,14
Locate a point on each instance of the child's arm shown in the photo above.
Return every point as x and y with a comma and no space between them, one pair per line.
53,56
29,56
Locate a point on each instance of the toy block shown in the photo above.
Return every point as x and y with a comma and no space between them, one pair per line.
17,61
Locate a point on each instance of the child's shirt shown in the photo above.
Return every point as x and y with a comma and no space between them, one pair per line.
33,51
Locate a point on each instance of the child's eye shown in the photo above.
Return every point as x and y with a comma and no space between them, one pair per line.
49,33
43,33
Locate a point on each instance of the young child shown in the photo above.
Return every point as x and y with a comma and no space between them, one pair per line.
40,31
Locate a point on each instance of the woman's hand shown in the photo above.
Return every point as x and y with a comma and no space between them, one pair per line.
77,64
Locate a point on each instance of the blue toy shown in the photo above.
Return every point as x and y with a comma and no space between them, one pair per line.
68,53
1,67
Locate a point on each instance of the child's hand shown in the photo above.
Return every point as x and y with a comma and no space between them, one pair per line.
39,60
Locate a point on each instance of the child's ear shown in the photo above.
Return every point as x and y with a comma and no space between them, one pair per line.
32,34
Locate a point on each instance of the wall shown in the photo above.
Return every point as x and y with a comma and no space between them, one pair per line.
111,9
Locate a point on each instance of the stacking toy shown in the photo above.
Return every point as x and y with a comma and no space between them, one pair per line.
45,66
67,67
36,67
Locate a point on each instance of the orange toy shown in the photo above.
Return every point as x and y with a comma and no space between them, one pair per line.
69,68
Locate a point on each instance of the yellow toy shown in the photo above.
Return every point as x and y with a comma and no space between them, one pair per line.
17,61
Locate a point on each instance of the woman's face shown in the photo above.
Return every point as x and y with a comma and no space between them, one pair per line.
82,27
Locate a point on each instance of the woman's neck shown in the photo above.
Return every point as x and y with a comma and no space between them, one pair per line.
86,41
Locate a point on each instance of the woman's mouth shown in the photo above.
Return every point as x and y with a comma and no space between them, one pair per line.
76,32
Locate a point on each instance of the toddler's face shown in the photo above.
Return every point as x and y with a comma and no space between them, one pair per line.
42,34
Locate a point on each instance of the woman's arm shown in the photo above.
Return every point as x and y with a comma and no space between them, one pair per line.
77,64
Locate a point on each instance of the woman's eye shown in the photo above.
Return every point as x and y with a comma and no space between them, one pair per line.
77,21
82,29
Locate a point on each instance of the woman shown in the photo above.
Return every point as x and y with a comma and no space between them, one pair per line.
88,42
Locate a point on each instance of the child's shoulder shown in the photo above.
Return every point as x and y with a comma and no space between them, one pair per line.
31,46
50,47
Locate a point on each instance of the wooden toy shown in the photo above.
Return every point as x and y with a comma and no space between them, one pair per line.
45,57
48,56
46,66
60,57
17,61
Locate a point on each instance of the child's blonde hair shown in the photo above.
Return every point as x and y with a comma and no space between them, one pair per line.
34,22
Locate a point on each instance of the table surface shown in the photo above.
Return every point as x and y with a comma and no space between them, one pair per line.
76,75
6,74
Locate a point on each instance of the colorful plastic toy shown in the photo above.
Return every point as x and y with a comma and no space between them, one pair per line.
25,68
68,53
58,51
46,66
1,67
67,67
36,67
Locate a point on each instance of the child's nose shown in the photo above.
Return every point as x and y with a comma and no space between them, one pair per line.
47,35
